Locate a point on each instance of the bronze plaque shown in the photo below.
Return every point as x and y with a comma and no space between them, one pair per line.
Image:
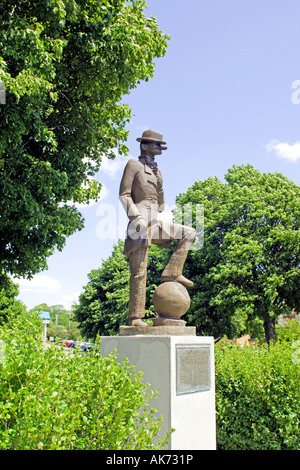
192,368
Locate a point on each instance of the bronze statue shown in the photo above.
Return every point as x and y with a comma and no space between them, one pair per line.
142,195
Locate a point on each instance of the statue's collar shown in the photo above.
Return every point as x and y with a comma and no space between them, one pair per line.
148,162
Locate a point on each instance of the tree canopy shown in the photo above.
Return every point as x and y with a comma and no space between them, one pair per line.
59,315
248,271
62,324
65,65
10,307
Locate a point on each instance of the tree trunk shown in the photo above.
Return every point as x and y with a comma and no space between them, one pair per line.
269,326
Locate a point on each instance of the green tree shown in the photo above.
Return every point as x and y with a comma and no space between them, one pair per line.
103,306
289,331
9,306
248,271
60,315
43,307
66,65
62,324
71,331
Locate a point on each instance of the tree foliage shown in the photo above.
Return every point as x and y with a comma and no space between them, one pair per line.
65,65
62,324
58,313
9,306
289,331
248,271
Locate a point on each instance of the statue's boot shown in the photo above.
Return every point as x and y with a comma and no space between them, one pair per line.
183,280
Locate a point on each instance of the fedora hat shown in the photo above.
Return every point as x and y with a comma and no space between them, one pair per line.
151,136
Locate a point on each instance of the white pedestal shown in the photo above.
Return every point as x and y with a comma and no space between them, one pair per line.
181,369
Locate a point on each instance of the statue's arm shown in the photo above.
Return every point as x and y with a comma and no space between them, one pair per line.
127,181
160,192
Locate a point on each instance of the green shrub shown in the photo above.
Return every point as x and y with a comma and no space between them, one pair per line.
54,400
257,397
288,331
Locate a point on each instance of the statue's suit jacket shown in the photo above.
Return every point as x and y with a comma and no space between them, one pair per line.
142,196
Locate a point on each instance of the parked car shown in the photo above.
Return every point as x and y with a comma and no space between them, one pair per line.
67,342
85,347
82,345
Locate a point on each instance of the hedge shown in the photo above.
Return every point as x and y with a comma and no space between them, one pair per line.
258,397
53,400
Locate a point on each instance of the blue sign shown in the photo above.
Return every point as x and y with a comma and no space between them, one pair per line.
44,316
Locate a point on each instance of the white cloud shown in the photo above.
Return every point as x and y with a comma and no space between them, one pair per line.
113,167
290,152
45,289
67,300
39,284
108,166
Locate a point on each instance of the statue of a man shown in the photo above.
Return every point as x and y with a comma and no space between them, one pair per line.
142,195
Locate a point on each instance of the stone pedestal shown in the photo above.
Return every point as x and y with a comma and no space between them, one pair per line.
181,369
161,330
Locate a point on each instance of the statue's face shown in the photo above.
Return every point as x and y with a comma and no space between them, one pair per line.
152,148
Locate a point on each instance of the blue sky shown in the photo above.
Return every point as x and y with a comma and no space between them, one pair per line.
226,93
